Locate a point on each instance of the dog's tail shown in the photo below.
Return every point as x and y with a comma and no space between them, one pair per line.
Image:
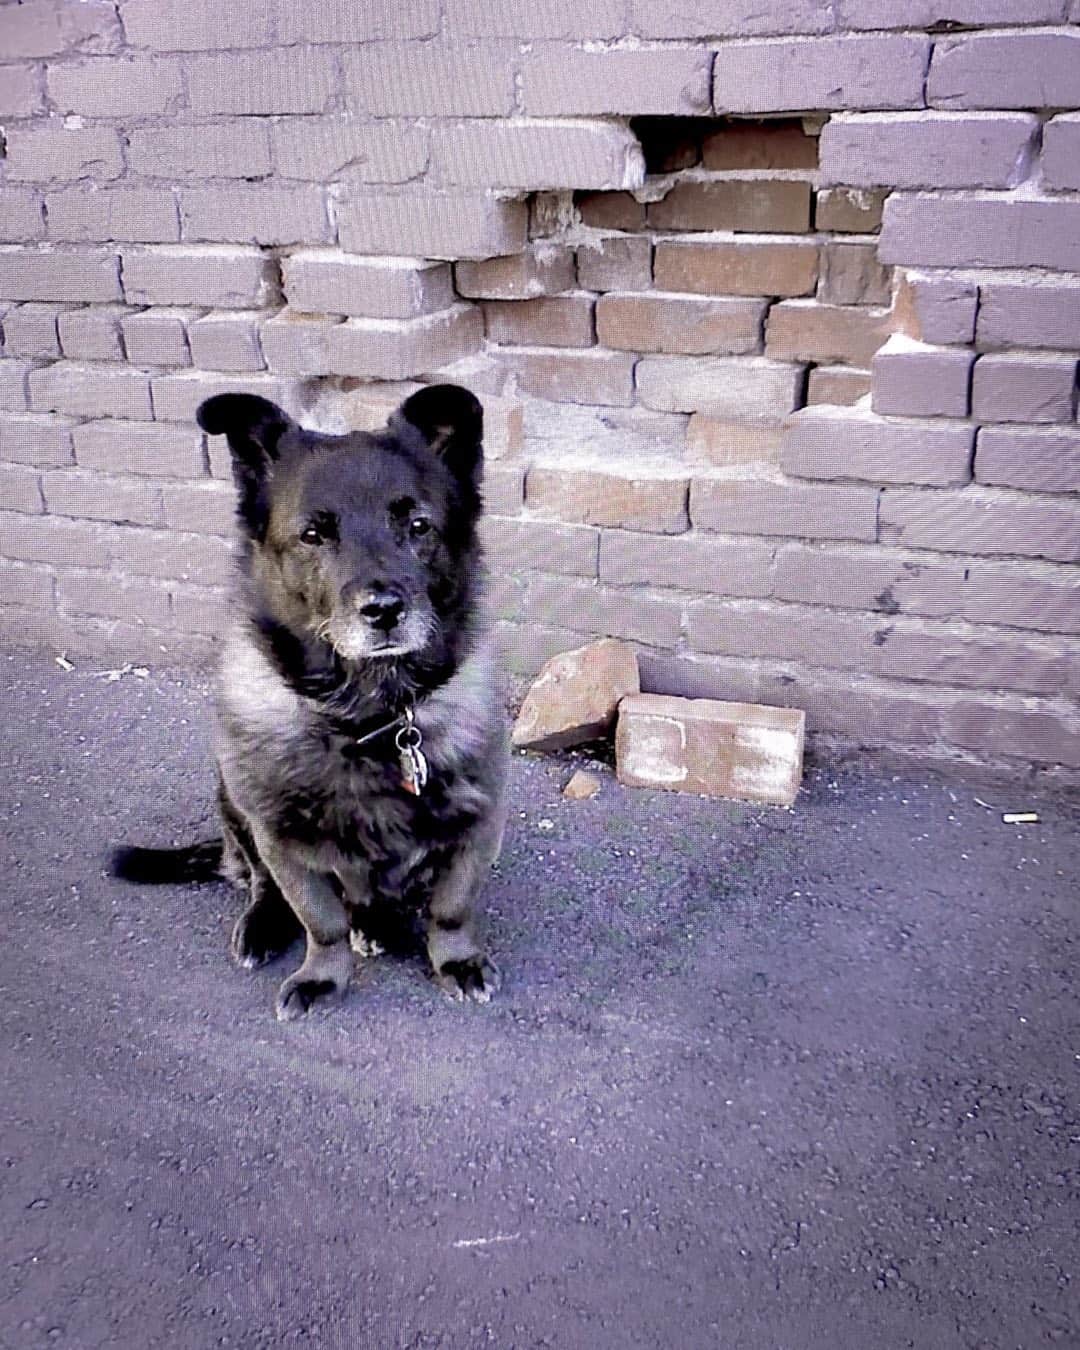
155,866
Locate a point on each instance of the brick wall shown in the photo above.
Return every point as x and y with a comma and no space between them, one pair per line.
774,307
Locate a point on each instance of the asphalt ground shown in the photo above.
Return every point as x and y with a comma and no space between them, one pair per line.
756,1077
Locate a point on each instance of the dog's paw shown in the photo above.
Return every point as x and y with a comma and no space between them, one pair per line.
262,933
298,996
364,946
475,978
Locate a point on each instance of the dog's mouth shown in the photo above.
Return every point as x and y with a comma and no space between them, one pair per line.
356,640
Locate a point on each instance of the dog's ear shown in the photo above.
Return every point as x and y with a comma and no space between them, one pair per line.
450,421
254,427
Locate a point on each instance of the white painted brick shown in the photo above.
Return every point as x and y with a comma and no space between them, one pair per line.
141,448
728,18
1034,459
108,86
432,225
432,79
767,507
716,749
558,81
283,80
854,443
981,230
913,379
928,149
93,214
541,269
21,217
178,395
326,149
46,153
212,275
93,333
254,215
820,73
30,330
1061,152
1024,387
41,439
198,25
343,21
157,337
324,281
388,349
53,274
20,92
226,340
535,155
526,19
52,27
746,387
868,14
91,391
1020,310
234,149
935,308
1006,70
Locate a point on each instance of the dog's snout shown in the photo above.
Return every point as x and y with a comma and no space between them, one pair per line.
382,606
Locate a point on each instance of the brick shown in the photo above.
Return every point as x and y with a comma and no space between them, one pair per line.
1034,459
434,79
254,215
712,748
928,149
1025,595
14,387
208,507
201,609
776,206
178,395
604,378
1006,727
1028,312
41,154
35,438
324,281
81,592
335,21
630,496
576,696
20,91
92,333
32,587
614,263
504,487
586,608
137,215
981,520
525,19
1061,152
227,340
852,275
1005,70
140,448
344,148
935,309
1023,387
711,440
912,379
157,337
283,80
760,506
206,559
21,217
728,18
848,210
212,275
981,230
926,13
517,153
198,25
841,386
727,267
840,443
48,540
821,73
753,387
389,349
432,225
20,488
782,144
807,330
541,269
885,581
550,320
662,321
52,27
98,496
610,210
30,330
673,81
236,149
91,391
109,86
368,407
685,562
537,545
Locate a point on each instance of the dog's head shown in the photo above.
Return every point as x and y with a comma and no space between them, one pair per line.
362,541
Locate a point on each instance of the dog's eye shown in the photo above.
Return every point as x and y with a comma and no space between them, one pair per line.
419,526
311,534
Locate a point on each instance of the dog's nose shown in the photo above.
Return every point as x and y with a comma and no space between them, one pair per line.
382,607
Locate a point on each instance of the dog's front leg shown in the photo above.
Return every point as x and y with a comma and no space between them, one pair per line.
458,963
328,962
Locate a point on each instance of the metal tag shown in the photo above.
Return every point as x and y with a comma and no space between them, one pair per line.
414,766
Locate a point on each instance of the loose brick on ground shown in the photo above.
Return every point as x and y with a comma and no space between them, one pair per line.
840,443
1037,459
664,321
718,266
1024,387
576,696
913,379
716,749
750,387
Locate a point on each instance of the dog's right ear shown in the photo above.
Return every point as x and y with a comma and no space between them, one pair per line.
253,427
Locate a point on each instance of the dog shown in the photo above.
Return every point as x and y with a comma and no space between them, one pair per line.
360,734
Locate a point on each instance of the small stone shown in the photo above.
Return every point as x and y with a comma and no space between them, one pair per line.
576,695
582,786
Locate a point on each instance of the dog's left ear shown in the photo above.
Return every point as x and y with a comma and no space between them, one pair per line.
253,427
450,421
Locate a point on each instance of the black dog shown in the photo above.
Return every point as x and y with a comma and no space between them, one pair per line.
360,734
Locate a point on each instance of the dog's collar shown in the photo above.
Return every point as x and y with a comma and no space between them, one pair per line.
370,728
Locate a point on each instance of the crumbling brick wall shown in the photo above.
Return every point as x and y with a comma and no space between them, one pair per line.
774,307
